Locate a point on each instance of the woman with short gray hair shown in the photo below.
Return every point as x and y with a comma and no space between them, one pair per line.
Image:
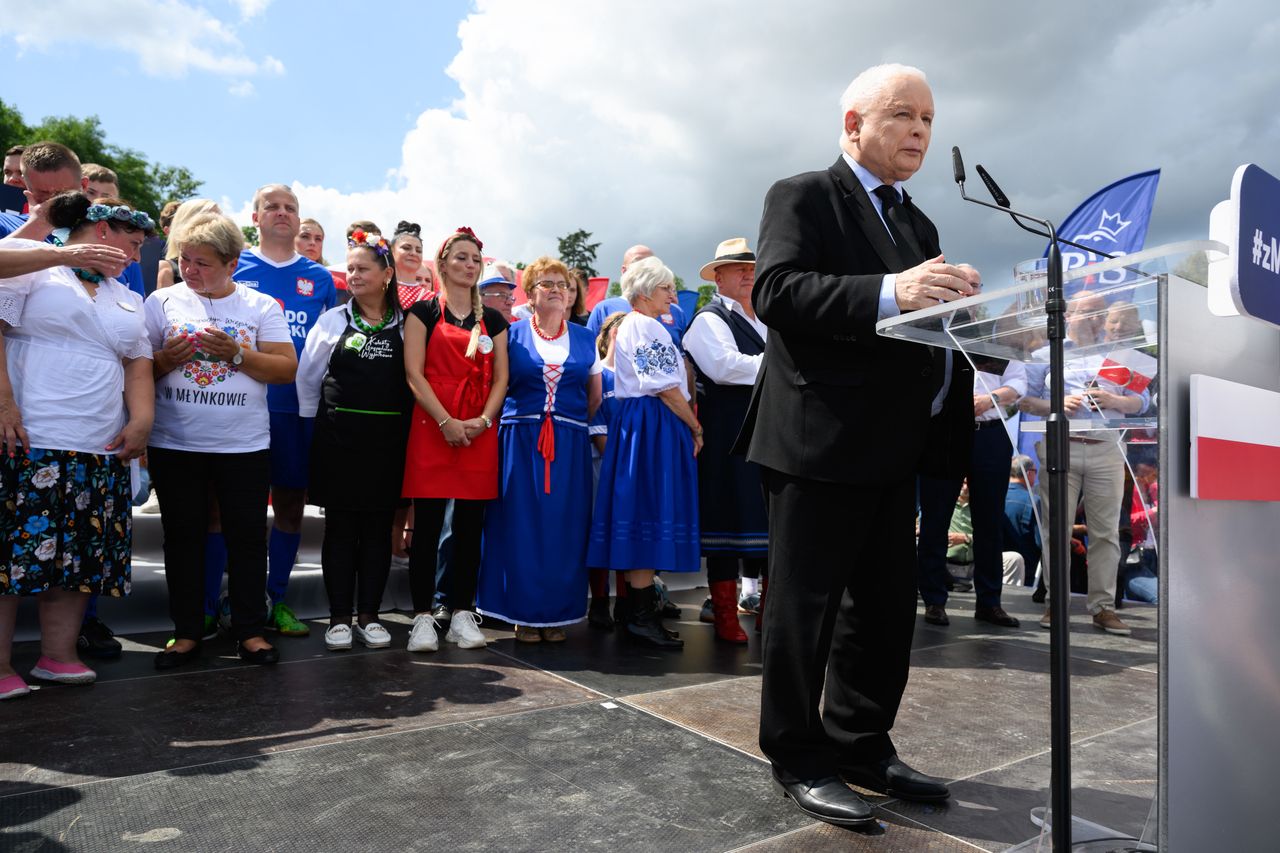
646,513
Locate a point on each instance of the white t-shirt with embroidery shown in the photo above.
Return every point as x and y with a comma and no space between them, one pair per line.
66,351
646,361
207,405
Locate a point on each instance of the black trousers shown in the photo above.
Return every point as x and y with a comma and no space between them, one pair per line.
239,481
841,611
988,487
720,568
356,555
464,568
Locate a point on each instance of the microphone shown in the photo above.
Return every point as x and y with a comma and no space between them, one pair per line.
992,186
957,165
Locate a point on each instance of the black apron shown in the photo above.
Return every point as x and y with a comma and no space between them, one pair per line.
362,425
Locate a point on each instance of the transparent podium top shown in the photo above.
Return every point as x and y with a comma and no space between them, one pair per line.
1111,304
1111,322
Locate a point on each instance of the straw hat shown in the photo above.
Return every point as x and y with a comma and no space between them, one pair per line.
732,251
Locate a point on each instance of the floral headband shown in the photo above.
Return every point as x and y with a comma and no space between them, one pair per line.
119,213
470,235
368,240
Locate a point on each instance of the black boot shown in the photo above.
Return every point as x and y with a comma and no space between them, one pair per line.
598,615
645,625
622,607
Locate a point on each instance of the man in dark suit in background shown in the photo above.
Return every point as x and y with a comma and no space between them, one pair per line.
841,421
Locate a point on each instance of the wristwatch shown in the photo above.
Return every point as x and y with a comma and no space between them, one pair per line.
488,422
238,358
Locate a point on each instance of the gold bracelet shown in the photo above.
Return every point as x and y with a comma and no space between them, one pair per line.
447,418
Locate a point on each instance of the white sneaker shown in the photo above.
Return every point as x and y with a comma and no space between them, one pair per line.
373,635
337,637
464,630
152,504
423,637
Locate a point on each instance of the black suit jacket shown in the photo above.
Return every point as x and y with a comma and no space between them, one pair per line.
834,401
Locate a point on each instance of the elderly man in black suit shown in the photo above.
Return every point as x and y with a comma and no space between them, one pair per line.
841,422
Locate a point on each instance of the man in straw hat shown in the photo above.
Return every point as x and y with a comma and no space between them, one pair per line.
726,342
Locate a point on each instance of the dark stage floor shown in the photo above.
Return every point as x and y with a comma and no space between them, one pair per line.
590,745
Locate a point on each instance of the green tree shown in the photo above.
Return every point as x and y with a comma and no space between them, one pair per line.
146,185
250,234
577,253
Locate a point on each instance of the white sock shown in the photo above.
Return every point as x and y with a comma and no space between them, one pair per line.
750,586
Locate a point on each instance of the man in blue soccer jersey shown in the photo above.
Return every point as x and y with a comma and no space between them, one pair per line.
305,290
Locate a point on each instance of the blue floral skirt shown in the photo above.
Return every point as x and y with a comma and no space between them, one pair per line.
646,512
65,522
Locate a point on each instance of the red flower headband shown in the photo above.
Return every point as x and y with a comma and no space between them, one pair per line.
471,234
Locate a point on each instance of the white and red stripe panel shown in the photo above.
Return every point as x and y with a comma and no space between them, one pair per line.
1235,441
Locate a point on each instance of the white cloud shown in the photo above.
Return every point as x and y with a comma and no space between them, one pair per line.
666,122
168,37
243,89
251,8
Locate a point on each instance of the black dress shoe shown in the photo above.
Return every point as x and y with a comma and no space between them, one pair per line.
935,614
828,800
262,657
996,616
895,779
173,660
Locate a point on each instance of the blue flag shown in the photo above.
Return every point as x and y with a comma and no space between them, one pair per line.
1114,219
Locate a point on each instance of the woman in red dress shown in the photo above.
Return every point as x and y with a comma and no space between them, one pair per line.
455,353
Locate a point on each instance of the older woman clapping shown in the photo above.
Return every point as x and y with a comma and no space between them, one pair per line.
534,568
75,406
646,513
217,347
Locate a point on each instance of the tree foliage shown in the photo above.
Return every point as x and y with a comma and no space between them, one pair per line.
250,233
577,253
144,184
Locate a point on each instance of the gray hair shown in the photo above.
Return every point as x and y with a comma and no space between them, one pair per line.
645,276
1020,465
870,83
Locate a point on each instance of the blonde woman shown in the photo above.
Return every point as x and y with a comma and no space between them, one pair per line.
455,354
169,274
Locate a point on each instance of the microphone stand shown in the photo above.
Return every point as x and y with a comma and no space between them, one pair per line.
1057,437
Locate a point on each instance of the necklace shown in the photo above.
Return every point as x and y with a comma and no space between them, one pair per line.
533,321
91,277
360,324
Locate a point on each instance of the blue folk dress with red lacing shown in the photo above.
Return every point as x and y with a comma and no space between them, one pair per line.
535,534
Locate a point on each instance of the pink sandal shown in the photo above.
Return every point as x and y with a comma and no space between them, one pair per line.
12,687
48,669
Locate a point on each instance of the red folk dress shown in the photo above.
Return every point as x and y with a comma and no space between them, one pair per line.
434,469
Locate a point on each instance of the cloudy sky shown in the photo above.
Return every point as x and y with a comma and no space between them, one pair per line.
657,122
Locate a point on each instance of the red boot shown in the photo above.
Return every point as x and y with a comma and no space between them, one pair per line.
724,599
764,587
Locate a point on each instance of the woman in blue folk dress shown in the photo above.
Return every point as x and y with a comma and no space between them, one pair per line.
533,572
646,512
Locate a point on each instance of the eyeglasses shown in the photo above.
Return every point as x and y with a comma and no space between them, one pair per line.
547,284
669,288
499,295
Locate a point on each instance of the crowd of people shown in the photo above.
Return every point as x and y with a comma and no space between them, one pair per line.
509,458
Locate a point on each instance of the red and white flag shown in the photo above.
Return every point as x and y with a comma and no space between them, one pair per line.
1128,368
1235,441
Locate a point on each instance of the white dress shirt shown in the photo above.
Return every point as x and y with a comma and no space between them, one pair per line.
710,342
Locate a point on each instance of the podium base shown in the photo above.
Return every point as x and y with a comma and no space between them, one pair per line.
1086,837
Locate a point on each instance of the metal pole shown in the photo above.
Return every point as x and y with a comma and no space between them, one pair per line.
1058,448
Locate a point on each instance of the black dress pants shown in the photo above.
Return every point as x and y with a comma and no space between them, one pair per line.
239,481
356,560
464,568
841,611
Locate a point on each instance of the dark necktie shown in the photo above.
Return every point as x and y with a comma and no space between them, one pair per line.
898,221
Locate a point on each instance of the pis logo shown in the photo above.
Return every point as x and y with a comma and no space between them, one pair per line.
306,287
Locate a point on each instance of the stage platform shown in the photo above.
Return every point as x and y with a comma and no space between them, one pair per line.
593,744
